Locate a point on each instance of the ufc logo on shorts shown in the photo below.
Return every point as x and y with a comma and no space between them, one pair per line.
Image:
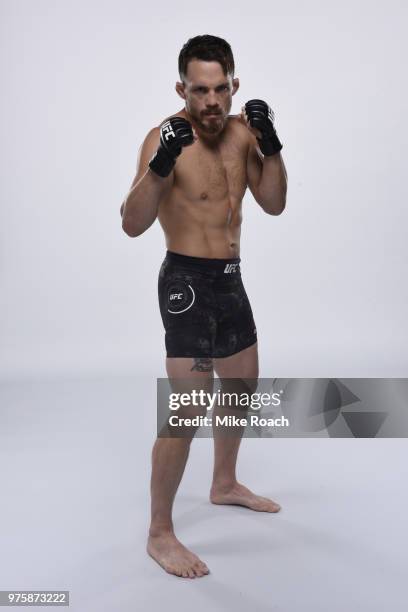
229,268
167,130
176,296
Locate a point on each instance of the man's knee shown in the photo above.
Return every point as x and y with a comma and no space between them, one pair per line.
239,385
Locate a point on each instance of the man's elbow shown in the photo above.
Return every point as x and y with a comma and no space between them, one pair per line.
131,230
274,208
134,226
127,225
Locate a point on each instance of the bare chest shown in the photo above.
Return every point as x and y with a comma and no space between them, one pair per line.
212,173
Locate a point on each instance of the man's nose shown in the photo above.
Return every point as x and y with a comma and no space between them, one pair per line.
211,99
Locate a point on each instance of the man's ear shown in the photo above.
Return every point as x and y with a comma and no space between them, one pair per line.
180,90
235,85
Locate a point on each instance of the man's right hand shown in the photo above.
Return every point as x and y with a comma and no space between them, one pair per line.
175,133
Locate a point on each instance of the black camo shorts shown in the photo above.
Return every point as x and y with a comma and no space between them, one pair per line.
204,307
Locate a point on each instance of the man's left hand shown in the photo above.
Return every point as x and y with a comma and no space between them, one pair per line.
258,117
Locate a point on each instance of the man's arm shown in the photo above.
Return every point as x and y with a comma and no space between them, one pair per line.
139,210
267,178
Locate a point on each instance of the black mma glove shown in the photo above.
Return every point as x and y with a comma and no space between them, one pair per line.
261,117
175,133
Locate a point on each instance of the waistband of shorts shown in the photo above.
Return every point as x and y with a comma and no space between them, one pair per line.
202,263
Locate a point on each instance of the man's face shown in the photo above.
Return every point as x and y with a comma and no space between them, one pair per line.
208,94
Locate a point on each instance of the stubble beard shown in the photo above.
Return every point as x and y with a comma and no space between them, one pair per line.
213,125
210,126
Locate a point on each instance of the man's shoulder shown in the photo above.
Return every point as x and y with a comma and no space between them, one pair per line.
234,119
238,129
237,124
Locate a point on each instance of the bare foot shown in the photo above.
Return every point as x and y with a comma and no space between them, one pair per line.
241,496
175,558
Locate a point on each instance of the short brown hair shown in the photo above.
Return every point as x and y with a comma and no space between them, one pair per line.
209,49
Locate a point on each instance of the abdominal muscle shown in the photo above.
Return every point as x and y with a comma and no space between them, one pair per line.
202,228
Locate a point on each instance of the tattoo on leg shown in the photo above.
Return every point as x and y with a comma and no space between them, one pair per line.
202,364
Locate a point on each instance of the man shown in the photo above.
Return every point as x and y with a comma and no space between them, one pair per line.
193,171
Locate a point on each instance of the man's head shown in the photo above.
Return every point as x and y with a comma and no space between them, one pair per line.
206,68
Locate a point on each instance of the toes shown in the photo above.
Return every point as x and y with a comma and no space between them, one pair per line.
270,508
204,568
199,567
181,572
265,505
272,504
186,565
198,570
261,506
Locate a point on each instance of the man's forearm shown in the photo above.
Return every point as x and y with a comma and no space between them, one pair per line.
273,184
139,210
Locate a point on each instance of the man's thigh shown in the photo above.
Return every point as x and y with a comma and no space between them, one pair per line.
189,374
240,365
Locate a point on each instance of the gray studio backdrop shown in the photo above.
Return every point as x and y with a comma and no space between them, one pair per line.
82,83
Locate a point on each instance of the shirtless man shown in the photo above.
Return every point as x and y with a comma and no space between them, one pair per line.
193,171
